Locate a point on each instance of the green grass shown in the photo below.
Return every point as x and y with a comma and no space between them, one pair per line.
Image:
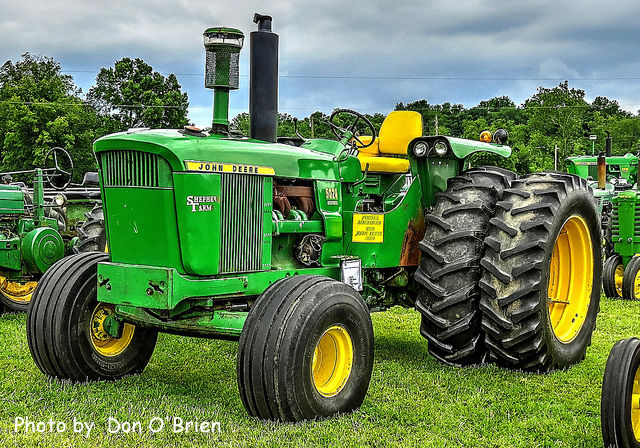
413,400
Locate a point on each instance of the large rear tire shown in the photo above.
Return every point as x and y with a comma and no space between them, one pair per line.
91,234
306,350
620,405
450,265
65,329
542,273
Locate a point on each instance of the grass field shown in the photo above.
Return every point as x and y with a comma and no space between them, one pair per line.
413,400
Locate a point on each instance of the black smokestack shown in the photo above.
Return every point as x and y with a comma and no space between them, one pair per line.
608,144
263,81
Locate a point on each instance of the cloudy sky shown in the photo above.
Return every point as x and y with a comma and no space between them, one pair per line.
362,55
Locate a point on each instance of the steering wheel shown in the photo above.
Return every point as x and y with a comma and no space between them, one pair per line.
350,131
62,169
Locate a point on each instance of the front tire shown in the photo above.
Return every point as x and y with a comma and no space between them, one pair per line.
612,275
542,273
619,406
306,350
65,329
449,269
631,280
15,296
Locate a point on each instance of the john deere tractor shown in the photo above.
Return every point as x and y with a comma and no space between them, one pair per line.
621,273
286,249
36,229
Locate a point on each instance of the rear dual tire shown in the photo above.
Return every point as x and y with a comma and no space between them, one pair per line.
541,273
450,264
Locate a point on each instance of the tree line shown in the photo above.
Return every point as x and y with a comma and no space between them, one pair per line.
557,117
41,107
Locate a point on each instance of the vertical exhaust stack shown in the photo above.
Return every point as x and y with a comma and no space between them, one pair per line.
608,144
263,81
602,171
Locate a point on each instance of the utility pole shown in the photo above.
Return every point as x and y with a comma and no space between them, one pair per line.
437,125
311,125
555,158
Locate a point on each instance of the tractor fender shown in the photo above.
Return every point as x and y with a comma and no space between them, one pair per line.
461,148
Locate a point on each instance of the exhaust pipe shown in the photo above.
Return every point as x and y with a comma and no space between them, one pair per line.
263,81
608,144
602,171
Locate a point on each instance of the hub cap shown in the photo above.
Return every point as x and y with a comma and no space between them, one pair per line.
570,279
332,361
103,342
618,279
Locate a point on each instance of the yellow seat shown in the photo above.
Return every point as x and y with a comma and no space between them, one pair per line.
397,130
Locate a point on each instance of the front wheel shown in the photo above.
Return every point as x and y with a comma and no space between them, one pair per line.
15,295
631,280
306,350
612,275
67,331
620,402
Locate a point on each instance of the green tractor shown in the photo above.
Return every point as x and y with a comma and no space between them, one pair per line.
287,249
39,226
621,272
606,175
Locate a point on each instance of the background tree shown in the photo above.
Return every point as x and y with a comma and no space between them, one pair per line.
131,94
40,108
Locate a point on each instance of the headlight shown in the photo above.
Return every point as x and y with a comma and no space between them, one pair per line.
440,148
501,136
485,137
60,200
420,149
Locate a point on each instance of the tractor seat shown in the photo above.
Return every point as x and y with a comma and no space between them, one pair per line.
388,153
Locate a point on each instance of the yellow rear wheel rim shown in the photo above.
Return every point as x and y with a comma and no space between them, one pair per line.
16,291
635,405
570,279
103,342
332,361
619,275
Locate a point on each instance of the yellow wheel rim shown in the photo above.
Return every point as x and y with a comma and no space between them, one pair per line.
636,286
16,291
332,361
618,279
635,406
103,342
570,279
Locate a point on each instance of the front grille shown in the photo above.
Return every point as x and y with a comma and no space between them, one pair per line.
133,169
615,222
241,223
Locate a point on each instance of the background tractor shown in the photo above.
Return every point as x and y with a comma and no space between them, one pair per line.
287,248
39,226
606,175
621,273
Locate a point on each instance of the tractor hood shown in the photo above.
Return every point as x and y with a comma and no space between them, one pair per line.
317,159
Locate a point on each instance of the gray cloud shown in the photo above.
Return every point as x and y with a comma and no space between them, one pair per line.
514,41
